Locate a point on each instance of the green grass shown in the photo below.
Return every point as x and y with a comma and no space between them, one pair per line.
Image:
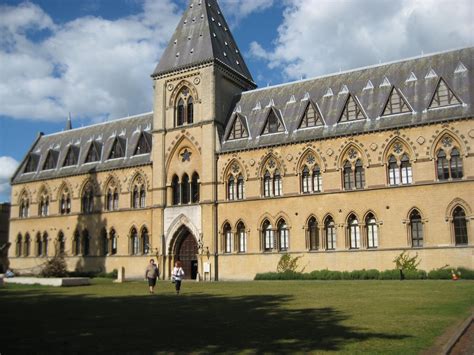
260,316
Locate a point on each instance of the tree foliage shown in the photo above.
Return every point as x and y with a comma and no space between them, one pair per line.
288,263
55,267
406,263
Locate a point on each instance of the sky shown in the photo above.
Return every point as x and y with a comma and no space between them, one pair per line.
93,58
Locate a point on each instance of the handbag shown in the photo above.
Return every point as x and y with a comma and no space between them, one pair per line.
173,279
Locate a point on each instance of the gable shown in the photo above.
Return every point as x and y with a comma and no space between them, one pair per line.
143,144
51,160
443,96
396,104
94,153
118,148
352,111
273,123
239,128
311,117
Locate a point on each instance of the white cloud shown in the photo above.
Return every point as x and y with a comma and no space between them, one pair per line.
8,166
90,66
238,9
323,36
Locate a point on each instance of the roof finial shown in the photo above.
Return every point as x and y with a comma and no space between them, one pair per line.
69,123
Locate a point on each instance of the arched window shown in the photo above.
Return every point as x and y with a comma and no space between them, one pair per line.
104,242
185,189
393,171
85,243
113,242
116,199
19,245
65,202
190,110
61,243
372,231
45,244
195,188
354,232
110,200
76,243
24,207
416,228
135,197
145,242
313,234
268,240
348,176
27,245
283,235
231,188
460,227
359,175
39,245
180,113
317,179
43,206
242,236
456,164
142,196
240,187
405,167
176,190
88,199
330,231
442,165
277,185
267,184
228,239
134,242
305,180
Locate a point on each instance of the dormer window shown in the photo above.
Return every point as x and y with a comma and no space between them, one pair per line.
72,156
51,160
144,144
94,152
118,148
184,108
239,128
273,124
32,163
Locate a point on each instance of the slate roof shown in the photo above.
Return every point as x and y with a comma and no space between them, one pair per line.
102,135
455,67
202,36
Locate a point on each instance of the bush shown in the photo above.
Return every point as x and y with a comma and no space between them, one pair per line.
405,262
288,263
466,273
440,274
55,267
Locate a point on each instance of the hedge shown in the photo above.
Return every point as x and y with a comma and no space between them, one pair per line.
372,274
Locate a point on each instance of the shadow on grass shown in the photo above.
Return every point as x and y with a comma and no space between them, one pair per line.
44,321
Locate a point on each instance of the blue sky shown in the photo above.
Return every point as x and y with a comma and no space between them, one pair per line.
93,58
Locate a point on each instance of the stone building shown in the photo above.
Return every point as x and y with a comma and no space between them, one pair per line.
347,169
4,225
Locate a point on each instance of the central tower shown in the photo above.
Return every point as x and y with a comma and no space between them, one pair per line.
195,82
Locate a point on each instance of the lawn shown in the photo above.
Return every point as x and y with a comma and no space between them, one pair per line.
260,316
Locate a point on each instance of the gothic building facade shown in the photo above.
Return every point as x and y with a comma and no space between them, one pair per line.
347,170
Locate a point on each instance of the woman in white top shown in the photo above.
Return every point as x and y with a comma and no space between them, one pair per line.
178,274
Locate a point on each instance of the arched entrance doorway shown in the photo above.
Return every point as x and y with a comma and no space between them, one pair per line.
186,250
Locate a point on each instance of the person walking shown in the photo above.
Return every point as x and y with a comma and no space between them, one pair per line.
178,274
151,274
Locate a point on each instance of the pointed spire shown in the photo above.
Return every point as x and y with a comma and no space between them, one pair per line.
69,122
202,36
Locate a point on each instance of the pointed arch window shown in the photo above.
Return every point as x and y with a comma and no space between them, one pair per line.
142,196
43,206
104,242
231,188
85,243
277,184
455,166
113,242
65,202
267,184
268,237
185,189
317,179
240,187
76,243
195,187
112,199
359,175
228,239
139,192
242,237
134,242
39,245
313,234
416,229
460,226
330,231
442,165
144,144
354,232
24,207
306,180
176,190
190,110
405,167
87,199
180,113
283,235
136,197
145,241
449,167
393,171
372,231
349,179
27,245
184,108
19,246
61,244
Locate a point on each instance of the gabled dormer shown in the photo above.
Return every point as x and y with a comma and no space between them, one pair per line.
118,148
72,156
144,144
273,123
311,116
31,163
239,128
352,110
396,103
51,160
94,153
443,96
